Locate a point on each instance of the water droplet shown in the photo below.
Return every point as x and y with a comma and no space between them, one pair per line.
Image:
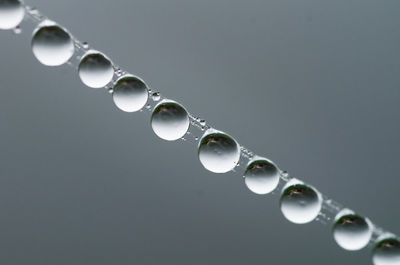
95,69
386,252
11,14
130,93
85,45
261,176
148,106
300,203
33,10
196,138
218,152
351,231
156,96
170,121
51,44
202,122
17,30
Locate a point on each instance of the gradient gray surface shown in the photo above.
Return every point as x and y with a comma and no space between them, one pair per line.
312,85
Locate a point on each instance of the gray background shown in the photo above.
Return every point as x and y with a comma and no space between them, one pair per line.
313,85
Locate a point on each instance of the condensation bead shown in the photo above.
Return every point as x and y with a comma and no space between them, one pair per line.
218,152
300,203
386,252
11,14
261,176
130,93
352,232
95,69
51,44
169,120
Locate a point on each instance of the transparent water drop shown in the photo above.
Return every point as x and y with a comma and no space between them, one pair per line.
130,93
386,252
351,231
202,122
261,176
169,120
95,69
156,96
33,10
11,14
51,44
218,152
85,45
300,203
17,30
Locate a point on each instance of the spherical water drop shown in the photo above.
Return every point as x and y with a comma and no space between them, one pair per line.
95,70
170,121
85,45
387,252
17,30
130,94
261,176
352,232
156,96
11,13
218,152
300,203
51,44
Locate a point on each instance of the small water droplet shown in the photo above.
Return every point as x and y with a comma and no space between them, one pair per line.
11,14
33,10
17,30
202,122
196,138
156,96
85,45
148,106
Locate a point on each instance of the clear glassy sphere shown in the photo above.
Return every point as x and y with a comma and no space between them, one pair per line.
218,152
130,93
95,70
300,203
170,121
261,176
386,252
352,232
11,14
52,45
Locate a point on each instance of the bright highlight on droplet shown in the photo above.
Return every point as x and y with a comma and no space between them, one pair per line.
218,152
130,93
51,44
11,14
170,120
261,176
386,252
95,69
351,231
300,203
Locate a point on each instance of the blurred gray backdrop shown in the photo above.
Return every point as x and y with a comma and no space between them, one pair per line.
313,85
